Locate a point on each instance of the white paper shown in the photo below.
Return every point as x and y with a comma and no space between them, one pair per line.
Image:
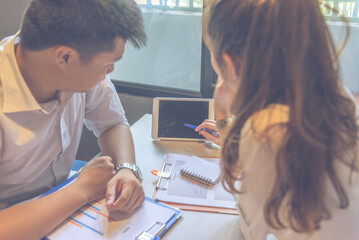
93,221
182,190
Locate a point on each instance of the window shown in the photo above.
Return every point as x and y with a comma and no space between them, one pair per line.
183,5
175,61
347,8
350,56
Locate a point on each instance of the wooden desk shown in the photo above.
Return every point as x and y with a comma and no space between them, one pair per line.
192,225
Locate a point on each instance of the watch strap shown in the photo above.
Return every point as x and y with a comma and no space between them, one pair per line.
133,167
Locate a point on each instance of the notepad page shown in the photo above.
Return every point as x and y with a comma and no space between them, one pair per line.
180,190
202,170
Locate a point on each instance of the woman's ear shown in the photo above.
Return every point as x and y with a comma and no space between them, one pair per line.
232,65
232,69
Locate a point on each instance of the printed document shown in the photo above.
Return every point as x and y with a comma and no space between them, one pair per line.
93,221
182,190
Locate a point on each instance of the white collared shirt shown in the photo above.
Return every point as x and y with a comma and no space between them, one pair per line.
38,142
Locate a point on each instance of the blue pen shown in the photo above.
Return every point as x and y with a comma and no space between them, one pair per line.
216,134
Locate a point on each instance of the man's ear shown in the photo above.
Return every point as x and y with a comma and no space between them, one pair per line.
64,55
232,65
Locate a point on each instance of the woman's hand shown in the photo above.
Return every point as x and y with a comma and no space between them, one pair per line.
223,97
211,126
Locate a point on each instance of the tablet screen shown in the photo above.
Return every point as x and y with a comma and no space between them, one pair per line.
173,114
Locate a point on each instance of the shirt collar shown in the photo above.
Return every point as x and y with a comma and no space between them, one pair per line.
17,95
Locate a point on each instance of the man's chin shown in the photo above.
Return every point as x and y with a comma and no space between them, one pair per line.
85,90
81,90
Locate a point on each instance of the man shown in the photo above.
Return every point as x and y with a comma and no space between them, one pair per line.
54,77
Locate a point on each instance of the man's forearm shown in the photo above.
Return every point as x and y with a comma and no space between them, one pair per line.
117,142
36,219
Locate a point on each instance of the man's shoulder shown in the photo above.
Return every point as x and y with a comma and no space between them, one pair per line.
6,42
1,81
5,45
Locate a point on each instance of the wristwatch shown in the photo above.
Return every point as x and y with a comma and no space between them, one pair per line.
220,124
133,167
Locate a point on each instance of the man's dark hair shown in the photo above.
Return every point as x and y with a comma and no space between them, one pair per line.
89,26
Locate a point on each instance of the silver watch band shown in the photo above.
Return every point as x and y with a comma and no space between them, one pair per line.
133,167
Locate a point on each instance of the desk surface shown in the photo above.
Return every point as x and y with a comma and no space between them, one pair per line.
193,225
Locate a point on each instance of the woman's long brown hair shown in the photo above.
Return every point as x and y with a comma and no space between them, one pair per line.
287,56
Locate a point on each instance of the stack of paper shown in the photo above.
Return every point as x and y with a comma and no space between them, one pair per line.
188,195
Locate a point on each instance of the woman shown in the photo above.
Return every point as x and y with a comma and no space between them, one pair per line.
290,153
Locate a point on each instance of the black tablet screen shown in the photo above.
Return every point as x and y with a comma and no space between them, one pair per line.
174,114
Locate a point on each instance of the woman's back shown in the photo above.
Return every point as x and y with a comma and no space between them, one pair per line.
258,159
294,140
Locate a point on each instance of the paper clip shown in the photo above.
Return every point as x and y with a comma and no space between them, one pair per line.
152,232
163,175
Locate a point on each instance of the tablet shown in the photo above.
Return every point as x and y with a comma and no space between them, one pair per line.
169,116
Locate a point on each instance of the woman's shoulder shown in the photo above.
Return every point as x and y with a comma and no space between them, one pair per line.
265,121
263,133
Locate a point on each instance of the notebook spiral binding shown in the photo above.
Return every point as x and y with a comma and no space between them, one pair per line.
197,177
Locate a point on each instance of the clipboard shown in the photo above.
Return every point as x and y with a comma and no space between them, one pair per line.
169,169
158,229
153,230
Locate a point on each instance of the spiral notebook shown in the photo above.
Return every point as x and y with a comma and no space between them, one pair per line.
188,195
201,171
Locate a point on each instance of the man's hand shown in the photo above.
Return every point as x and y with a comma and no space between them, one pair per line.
93,178
35,219
124,192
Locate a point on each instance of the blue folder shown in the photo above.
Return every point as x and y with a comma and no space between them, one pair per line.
158,235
